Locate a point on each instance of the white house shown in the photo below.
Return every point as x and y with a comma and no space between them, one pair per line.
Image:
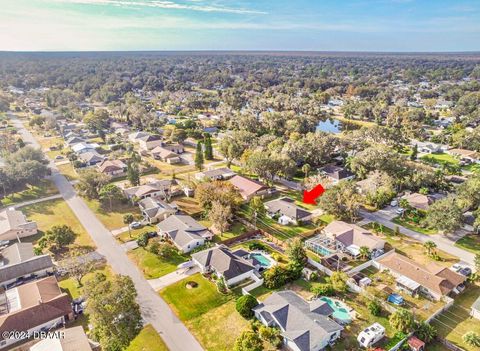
14,225
286,211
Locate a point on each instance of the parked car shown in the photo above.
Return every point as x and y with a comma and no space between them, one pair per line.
59,157
400,211
394,203
135,225
152,234
466,271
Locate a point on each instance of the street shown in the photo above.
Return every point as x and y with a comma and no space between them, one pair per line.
154,310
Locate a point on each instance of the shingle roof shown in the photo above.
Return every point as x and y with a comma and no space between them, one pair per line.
336,172
90,156
351,234
287,207
223,261
247,186
213,173
74,339
12,219
298,322
182,229
111,166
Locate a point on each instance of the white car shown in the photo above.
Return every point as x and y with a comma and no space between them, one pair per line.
394,203
400,211
135,225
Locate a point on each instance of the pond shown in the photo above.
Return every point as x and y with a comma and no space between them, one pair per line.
330,126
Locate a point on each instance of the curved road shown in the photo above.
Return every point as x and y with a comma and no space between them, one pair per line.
154,310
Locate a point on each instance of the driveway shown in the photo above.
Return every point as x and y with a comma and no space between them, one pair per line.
169,279
443,242
154,310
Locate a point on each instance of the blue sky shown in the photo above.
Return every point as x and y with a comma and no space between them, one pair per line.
323,25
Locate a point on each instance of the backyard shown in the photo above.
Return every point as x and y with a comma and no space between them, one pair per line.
235,230
56,212
153,266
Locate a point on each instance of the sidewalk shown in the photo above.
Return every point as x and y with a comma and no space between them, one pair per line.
36,201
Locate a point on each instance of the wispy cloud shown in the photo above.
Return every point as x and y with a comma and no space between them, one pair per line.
166,4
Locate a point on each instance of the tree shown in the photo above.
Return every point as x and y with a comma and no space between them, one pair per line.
199,157
224,192
113,311
245,305
296,253
341,200
306,169
248,341
110,193
142,240
128,219
364,252
429,247
57,237
133,173
325,289
97,121
256,208
78,265
402,320
477,262
414,154
90,182
270,335
220,216
426,332
339,281
471,338
231,149
374,307
208,147
275,277
445,215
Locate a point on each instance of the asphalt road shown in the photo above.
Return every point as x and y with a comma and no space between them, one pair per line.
154,310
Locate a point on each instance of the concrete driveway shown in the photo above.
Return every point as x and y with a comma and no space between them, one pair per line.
169,279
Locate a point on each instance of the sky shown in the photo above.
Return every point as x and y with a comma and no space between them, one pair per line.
307,25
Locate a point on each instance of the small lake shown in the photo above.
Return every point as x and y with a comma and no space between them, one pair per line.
330,126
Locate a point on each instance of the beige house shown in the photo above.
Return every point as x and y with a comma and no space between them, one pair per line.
149,142
165,155
73,339
465,155
113,168
249,188
14,225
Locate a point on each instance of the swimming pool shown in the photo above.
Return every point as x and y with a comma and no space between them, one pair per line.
340,311
322,251
264,261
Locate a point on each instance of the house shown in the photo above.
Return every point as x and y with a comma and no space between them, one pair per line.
184,231
467,156
413,278
215,174
134,137
91,158
176,148
475,309
165,155
421,201
429,147
287,211
14,225
249,188
304,326
149,142
81,148
74,140
72,339
155,210
39,305
113,168
158,188
415,344
350,238
18,264
336,173
222,262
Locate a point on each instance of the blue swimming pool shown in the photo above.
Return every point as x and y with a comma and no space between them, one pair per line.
322,251
264,261
340,311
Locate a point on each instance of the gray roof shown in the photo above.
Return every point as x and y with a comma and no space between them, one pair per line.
223,261
155,207
336,172
19,260
286,206
182,229
219,172
91,156
305,324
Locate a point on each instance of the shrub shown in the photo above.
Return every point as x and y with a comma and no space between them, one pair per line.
256,246
323,290
245,304
375,308
142,240
154,248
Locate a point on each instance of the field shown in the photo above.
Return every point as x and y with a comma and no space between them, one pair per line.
413,226
235,230
147,340
68,171
112,219
70,286
470,243
153,266
44,189
56,212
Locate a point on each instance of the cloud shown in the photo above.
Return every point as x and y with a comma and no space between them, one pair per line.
166,4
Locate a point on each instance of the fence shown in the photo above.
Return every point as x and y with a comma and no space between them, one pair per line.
257,281
320,267
449,345
241,237
449,303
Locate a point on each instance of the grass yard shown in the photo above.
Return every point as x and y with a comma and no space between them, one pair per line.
224,325
456,321
235,230
441,159
414,226
298,197
44,189
470,243
56,212
154,266
70,286
284,232
191,303
188,205
68,171
112,219
147,340
134,233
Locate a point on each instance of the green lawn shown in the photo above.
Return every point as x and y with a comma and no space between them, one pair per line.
68,171
191,303
441,159
218,328
456,321
153,266
135,233
44,189
413,226
470,243
236,229
112,219
56,212
284,232
70,286
147,340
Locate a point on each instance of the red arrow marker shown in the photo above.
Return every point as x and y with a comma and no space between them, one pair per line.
309,197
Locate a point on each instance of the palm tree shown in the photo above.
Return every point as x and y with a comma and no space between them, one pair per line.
430,247
306,169
128,219
364,252
471,338
426,332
